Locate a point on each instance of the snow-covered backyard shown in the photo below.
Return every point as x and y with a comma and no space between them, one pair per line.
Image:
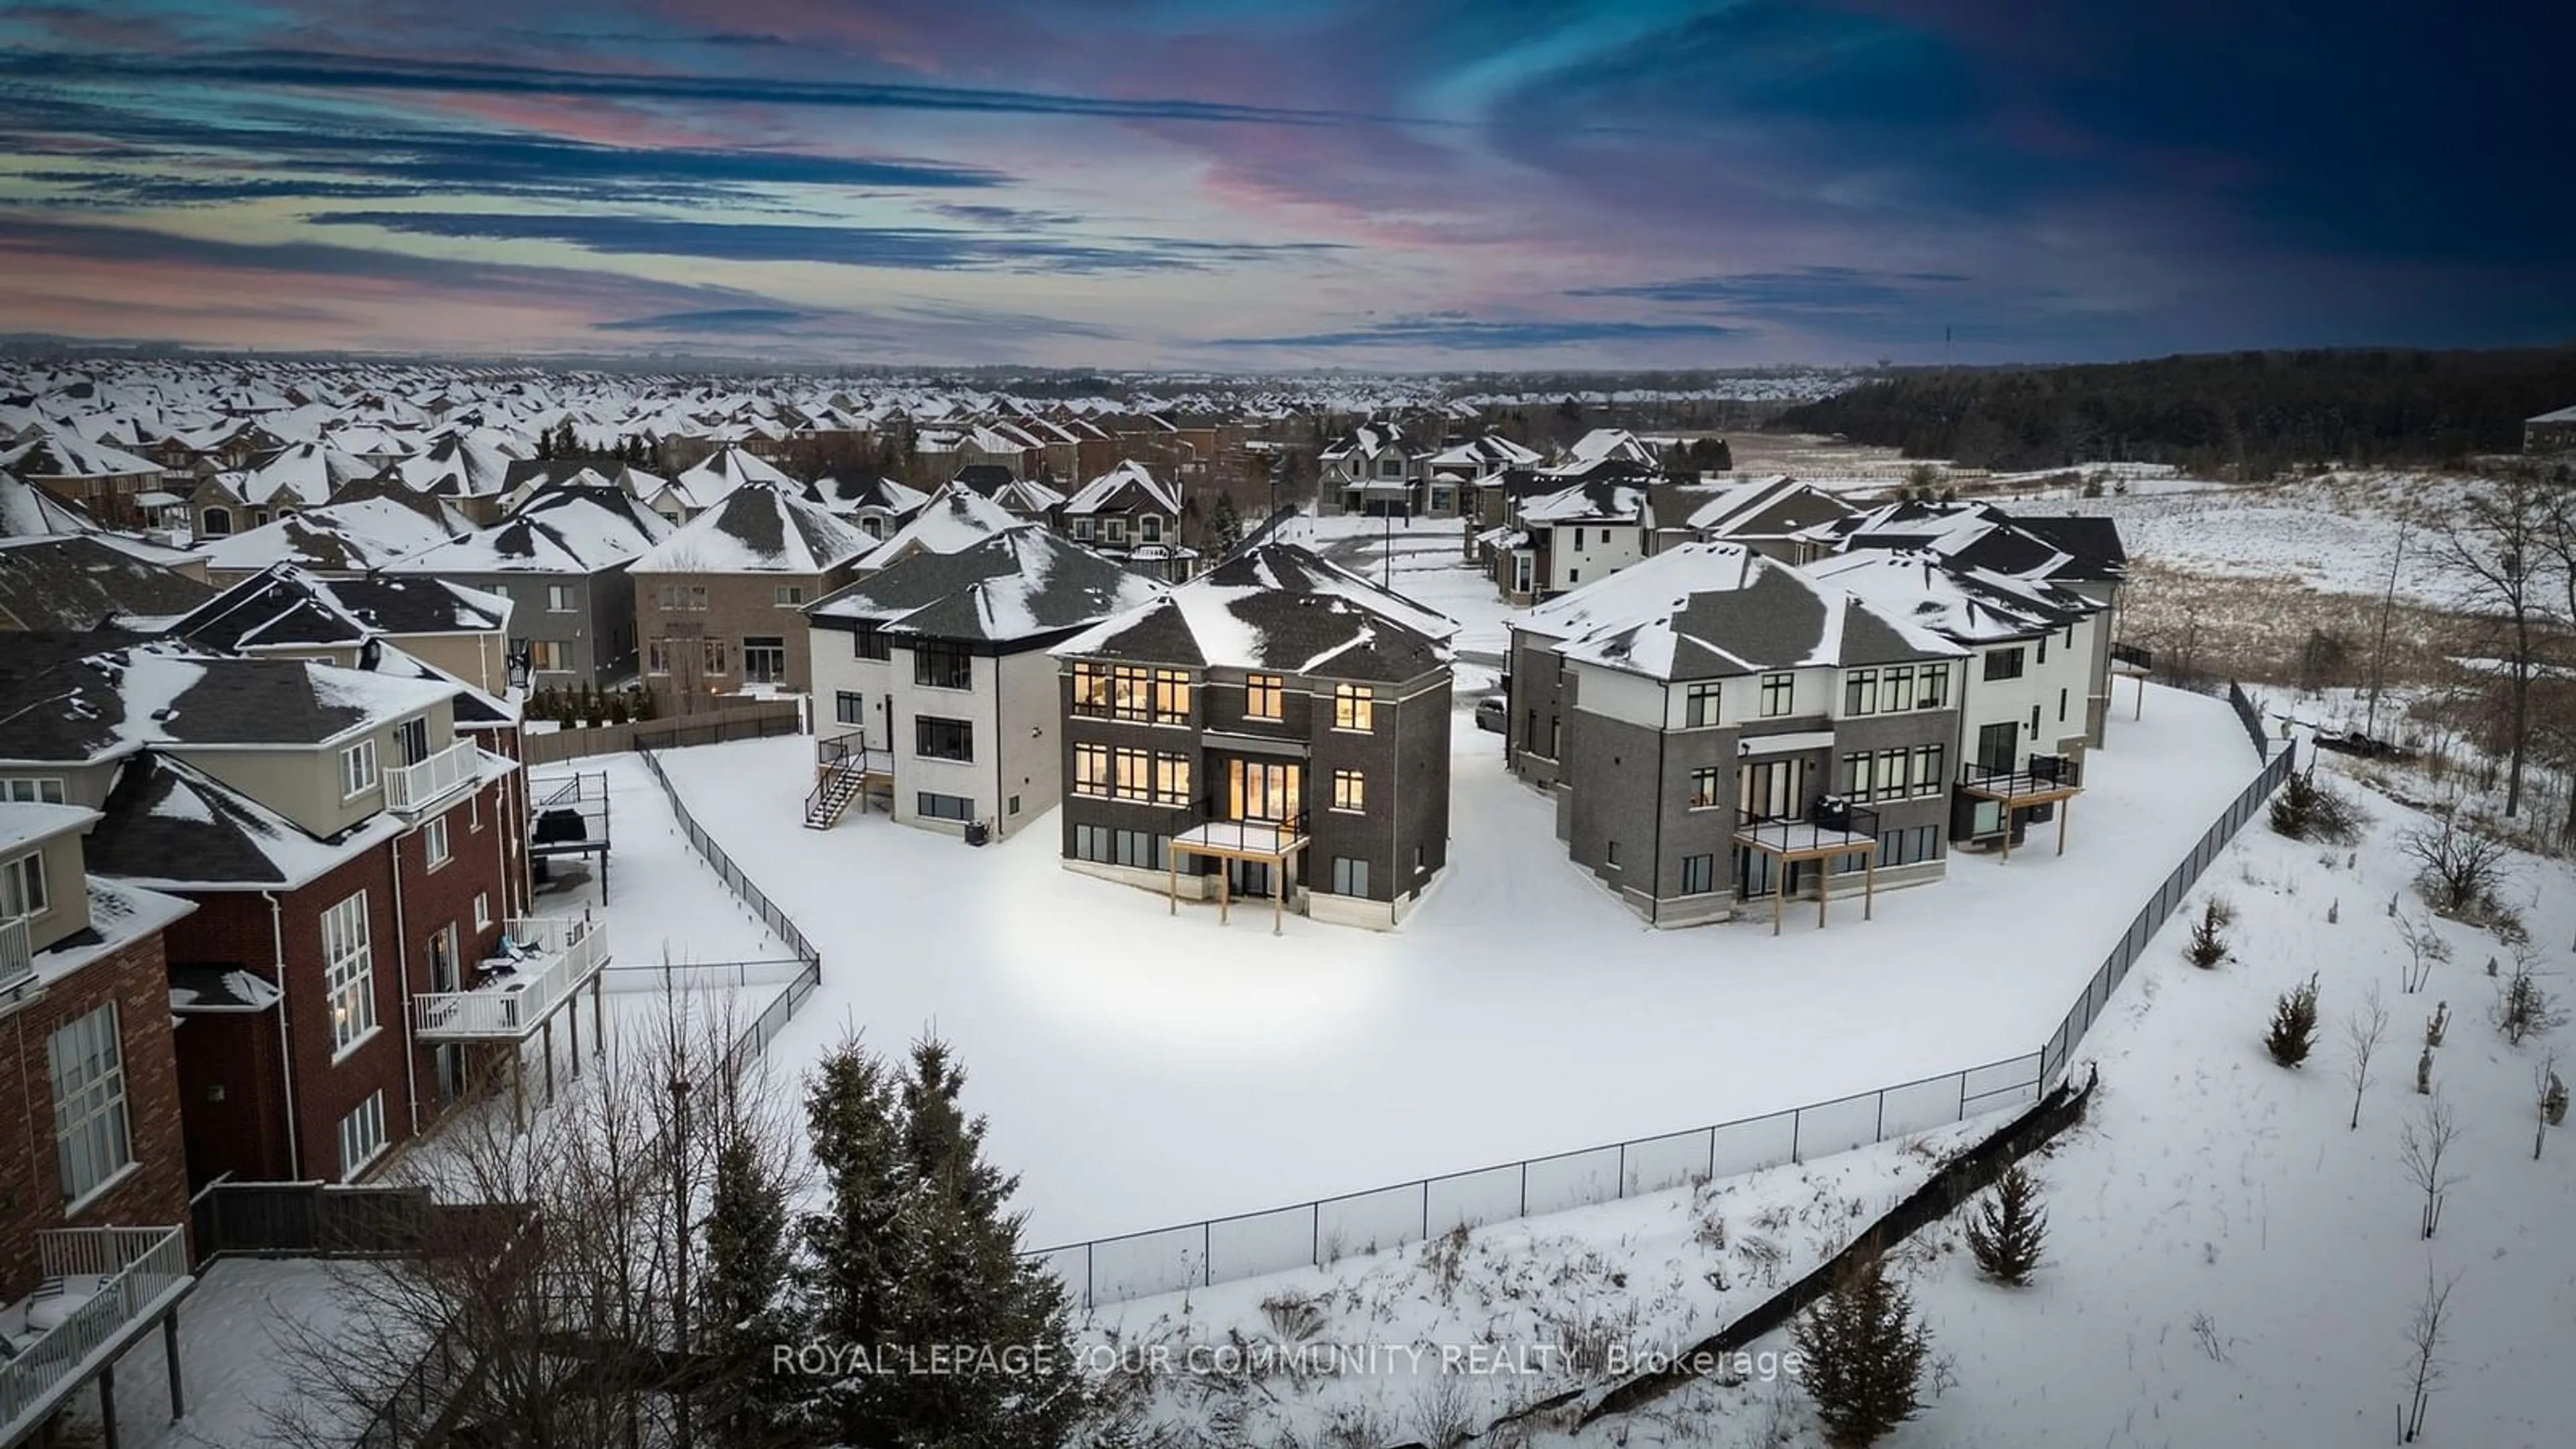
1142,1069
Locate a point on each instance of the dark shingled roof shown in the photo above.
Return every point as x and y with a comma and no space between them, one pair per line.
76,582
1301,615
1025,583
2092,542
166,822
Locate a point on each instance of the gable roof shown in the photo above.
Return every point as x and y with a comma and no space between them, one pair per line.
759,528
1020,584
715,477
954,518
1280,608
1128,480
1955,600
166,824
866,490
27,511
65,454
123,694
345,537
284,606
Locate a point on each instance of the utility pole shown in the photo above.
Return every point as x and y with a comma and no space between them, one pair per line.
2379,650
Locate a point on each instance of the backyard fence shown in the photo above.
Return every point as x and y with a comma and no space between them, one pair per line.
1315,1234
324,1220
735,722
2249,716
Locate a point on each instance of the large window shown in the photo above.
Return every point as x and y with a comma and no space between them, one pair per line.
1129,773
869,642
1350,790
44,791
1354,707
1704,785
764,659
1933,691
1264,696
1139,848
1779,694
712,656
358,768
1350,875
22,887
932,806
348,972
559,598
1860,691
86,1066
1131,692
1699,705
1090,769
362,1136
546,656
684,598
849,708
942,664
1928,778
934,738
2004,663
1149,529
657,656
1896,688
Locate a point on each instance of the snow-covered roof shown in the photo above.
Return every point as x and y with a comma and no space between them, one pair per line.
1713,610
560,529
1603,443
102,702
1952,599
2556,415
1018,584
1104,491
759,528
1593,501
348,537
27,511
955,518
303,473
1278,607
66,454
169,825
715,477
24,821
1981,536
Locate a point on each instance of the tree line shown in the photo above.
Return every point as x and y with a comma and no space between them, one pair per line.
2248,414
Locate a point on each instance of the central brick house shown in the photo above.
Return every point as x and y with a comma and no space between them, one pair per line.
720,604
561,558
1276,728
349,855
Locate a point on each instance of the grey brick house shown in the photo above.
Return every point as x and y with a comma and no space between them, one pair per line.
1277,728
561,559
1708,720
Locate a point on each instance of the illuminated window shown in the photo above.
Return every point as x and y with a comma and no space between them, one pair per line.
1350,790
348,972
1354,707
1704,787
1263,696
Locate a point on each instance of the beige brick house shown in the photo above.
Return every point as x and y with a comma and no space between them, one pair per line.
719,605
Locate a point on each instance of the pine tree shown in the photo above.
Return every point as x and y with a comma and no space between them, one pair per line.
2294,1025
1225,526
965,1283
1863,1352
851,1264
2008,1232
742,1309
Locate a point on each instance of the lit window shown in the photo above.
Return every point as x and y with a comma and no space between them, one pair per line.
1090,769
1704,787
1354,707
1350,790
1263,696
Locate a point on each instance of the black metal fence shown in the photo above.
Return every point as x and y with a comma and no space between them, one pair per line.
2249,715
1313,1234
780,924
735,722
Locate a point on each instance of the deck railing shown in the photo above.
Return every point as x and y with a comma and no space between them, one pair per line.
17,961
408,787
2039,775
571,952
1796,832
140,1271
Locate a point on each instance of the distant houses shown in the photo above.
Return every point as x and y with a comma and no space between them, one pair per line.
561,559
2551,434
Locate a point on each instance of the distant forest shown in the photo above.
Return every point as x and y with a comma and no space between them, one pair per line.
2247,414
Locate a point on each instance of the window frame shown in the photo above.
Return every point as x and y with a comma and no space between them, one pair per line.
1272,688
942,664
849,707
772,648
36,787
435,848
357,760
362,1136
1932,686
1714,778
927,730
348,973
1860,692
93,1122
24,876
1702,704
1350,791
1355,708
1704,867
2004,664
1779,693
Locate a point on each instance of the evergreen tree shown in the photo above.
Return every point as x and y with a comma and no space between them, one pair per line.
742,1311
852,1261
1225,526
2009,1229
965,1283
1864,1351
2294,1025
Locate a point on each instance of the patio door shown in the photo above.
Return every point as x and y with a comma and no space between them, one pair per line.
1996,746
445,974
1757,873
1265,790
1774,789
411,741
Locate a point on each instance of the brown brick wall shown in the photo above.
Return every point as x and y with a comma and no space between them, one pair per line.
156,1190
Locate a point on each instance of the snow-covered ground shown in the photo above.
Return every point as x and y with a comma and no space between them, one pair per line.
1142,1069
235,1337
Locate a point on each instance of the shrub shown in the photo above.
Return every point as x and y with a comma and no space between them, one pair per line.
2006,1234
2459,868
1864,1351
2294,1025
2208,945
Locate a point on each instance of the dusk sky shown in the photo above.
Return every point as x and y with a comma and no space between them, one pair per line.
1214,183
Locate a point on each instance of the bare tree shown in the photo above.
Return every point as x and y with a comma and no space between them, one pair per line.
2525,1008
2379,649
2460,866
2424,949
2424,1334
2424,1146
2362,1033
2497,546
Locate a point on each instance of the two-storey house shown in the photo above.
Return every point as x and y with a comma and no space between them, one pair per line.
561,559
1373,469
1277,728
877,504
1132,516
719,605
939,685
1716,727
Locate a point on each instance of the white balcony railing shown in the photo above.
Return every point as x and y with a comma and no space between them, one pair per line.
409,787
17,962
564,953
120,1277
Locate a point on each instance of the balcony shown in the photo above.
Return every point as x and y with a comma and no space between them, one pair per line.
416,787
2041,778
557,956
17,960
1832,829
102,1289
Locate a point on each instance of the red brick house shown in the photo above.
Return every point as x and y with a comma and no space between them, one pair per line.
356,862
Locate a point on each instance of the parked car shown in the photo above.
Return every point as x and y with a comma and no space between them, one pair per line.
1489,713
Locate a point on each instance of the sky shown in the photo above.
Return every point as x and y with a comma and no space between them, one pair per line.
1272,184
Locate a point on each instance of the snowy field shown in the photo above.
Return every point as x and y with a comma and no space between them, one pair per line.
1142,1069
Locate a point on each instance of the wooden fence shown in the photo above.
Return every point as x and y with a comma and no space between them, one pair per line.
734,722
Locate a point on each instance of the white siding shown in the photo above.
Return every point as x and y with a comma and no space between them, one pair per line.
1617,695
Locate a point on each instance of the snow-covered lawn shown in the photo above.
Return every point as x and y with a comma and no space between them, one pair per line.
1142,1069
235,1332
